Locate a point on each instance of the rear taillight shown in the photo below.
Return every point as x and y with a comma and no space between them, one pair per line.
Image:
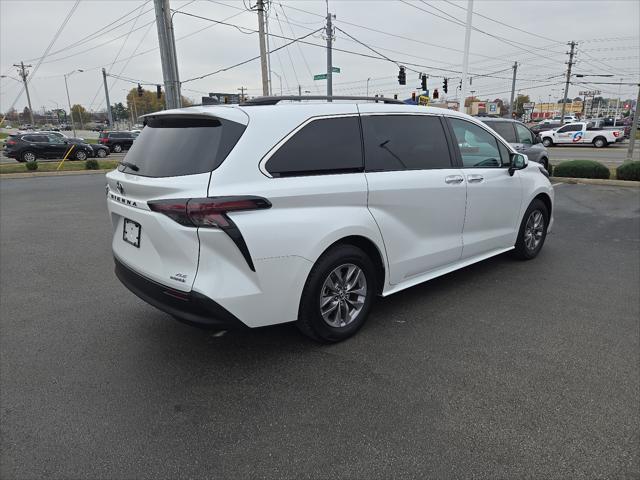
212,213
616,133
11,142
207,212
103,140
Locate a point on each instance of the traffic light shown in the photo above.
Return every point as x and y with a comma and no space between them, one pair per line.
159,91
139,90
445,86
423,81
402,76
435,94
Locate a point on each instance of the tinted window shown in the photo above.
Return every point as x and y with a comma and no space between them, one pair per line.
36,138
570,128
404,142
174,146
330,145
505,130
478,147
524,134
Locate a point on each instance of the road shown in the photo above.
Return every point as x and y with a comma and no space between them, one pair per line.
612,156
505,369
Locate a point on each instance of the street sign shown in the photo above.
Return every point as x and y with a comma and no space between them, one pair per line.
320,76
589,93
423,100
335,69
528,105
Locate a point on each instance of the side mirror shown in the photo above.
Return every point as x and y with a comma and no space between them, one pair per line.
518,162
536,139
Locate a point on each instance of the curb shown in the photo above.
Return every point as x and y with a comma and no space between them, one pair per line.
597,181
55,174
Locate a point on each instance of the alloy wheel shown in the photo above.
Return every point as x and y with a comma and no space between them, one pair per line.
29,157
534,230
343,295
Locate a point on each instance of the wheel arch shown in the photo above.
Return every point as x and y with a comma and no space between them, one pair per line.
546,199
602,137
369,247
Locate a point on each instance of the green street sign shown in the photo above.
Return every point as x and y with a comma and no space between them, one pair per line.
321,76
335,69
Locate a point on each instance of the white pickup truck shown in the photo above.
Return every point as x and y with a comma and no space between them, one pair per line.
580,133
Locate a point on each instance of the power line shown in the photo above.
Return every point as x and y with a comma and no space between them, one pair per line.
504,24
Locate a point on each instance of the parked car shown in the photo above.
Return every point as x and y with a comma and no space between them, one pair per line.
117,141
581,133
521,138
27,147
97,150
543,127
306,211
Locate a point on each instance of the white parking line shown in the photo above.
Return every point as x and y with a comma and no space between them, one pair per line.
555,184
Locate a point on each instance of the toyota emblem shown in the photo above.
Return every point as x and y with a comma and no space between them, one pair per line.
120,188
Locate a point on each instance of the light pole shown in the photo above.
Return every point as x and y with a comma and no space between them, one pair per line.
66,85
368,86
279,79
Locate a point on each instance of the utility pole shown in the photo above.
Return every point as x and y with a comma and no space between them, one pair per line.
299,90
242,89
23,74
465,58
106,96
634,129
513,89
266,26
66,86
263,48
329,33
166,42
615,117
566,85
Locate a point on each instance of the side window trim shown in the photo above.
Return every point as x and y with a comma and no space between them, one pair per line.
448,139
481,125
262,165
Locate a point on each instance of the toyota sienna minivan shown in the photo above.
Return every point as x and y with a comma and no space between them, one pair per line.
280,211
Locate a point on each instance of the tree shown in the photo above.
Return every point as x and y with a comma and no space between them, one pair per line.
119,111
520,101
80,114
12,114
148,102
26,116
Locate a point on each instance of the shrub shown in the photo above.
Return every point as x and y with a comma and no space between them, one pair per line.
628,171
581,169
550,170
91,164
32,165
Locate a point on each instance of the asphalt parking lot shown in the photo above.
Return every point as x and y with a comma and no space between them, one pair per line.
505,369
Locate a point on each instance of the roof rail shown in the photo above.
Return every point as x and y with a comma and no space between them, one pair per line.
275,100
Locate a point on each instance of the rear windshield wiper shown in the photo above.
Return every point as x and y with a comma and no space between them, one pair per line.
130,165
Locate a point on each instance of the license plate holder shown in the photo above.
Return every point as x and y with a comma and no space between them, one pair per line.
131,232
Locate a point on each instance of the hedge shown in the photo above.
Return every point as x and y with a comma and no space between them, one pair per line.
91,164
581,169
32,165
628,171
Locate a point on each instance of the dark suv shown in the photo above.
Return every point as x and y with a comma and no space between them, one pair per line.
27,147
117,141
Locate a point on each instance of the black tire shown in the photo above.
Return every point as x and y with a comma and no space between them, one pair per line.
524,249
101,153
545,163
80,155
310,320
117,148
600,142
547,142
27,156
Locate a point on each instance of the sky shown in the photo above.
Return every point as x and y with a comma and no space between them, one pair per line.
425,35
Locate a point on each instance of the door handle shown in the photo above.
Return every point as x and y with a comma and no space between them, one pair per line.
475,178
453,179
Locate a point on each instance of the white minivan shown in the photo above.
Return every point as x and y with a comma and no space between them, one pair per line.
278,211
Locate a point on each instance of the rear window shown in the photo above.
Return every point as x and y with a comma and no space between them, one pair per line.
505,130
176,146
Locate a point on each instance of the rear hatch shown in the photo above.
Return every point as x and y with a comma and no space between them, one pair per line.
170,162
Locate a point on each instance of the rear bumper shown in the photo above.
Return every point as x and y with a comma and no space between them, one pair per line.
190,307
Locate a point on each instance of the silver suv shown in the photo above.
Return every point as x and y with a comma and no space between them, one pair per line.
520,138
